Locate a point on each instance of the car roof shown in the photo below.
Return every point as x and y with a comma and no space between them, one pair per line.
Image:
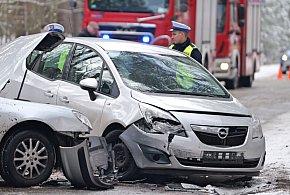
121,45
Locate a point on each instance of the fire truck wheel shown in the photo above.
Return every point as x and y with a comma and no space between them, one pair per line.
248,81
232,83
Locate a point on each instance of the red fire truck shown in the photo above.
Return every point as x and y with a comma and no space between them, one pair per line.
149,21
238,50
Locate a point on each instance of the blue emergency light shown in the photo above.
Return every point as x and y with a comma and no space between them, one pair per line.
145,39
106,36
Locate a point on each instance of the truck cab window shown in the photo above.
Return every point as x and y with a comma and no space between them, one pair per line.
221,16
136,6
233,14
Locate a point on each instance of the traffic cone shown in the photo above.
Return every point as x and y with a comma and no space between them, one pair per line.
289,72
280,74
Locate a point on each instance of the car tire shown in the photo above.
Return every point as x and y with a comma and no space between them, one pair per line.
27,159
127,169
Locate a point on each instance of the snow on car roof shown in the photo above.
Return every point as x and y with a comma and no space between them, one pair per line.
121,45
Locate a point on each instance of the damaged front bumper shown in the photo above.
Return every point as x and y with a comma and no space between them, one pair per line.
185,156
89,164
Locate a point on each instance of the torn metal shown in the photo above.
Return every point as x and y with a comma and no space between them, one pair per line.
89,164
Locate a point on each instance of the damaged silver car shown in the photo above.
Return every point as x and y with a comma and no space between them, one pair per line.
162,111
30,137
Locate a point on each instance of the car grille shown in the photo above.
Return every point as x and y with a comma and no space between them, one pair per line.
246,163
236,137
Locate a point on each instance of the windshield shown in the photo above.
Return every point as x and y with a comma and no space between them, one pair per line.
221,16
136,6
157,73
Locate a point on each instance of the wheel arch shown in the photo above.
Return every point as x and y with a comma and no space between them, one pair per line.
46,130
113,126
236,60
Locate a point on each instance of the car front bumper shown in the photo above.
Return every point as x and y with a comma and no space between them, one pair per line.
185,157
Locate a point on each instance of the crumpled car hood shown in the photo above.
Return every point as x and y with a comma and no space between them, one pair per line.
13,54
193,103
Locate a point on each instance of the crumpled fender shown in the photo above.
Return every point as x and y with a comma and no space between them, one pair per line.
89,164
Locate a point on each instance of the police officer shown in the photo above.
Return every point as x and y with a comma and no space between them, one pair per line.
181,41
92,30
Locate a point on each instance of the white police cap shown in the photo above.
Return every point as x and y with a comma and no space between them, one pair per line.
179,26
54,27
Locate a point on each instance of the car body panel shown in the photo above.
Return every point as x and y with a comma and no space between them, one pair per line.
14,53
60,119
192,103
83,164
188,148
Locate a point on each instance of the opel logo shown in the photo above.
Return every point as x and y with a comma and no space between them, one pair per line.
223,133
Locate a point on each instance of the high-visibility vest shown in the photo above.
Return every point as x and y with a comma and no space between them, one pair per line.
187,50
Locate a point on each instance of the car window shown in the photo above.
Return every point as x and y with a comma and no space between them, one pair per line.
49,64
108,84
86,63
165,74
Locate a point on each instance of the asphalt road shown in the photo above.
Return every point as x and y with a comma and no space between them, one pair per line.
268,98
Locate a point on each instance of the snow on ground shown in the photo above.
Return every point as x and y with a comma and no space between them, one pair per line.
267,70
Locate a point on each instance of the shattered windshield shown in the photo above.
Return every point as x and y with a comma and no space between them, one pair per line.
136,6
157,73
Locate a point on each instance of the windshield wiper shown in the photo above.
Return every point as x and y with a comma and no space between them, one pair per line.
151,18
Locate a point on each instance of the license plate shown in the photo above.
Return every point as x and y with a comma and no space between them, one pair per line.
213,156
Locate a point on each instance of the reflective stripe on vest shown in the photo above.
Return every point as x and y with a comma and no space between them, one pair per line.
187,50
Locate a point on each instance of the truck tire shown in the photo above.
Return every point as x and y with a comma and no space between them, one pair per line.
27,159
232,83
247,81
127,169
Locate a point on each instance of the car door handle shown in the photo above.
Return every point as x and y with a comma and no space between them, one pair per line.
64,99
48,93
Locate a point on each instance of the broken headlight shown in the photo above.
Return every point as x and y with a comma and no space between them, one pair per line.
257,128
156,120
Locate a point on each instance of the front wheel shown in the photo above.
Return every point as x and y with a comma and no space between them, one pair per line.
127,169
247,81
232,83
27,159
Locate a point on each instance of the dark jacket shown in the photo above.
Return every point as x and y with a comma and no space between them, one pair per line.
195,54
85,33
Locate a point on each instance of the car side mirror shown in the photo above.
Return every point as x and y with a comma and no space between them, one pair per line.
90,85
